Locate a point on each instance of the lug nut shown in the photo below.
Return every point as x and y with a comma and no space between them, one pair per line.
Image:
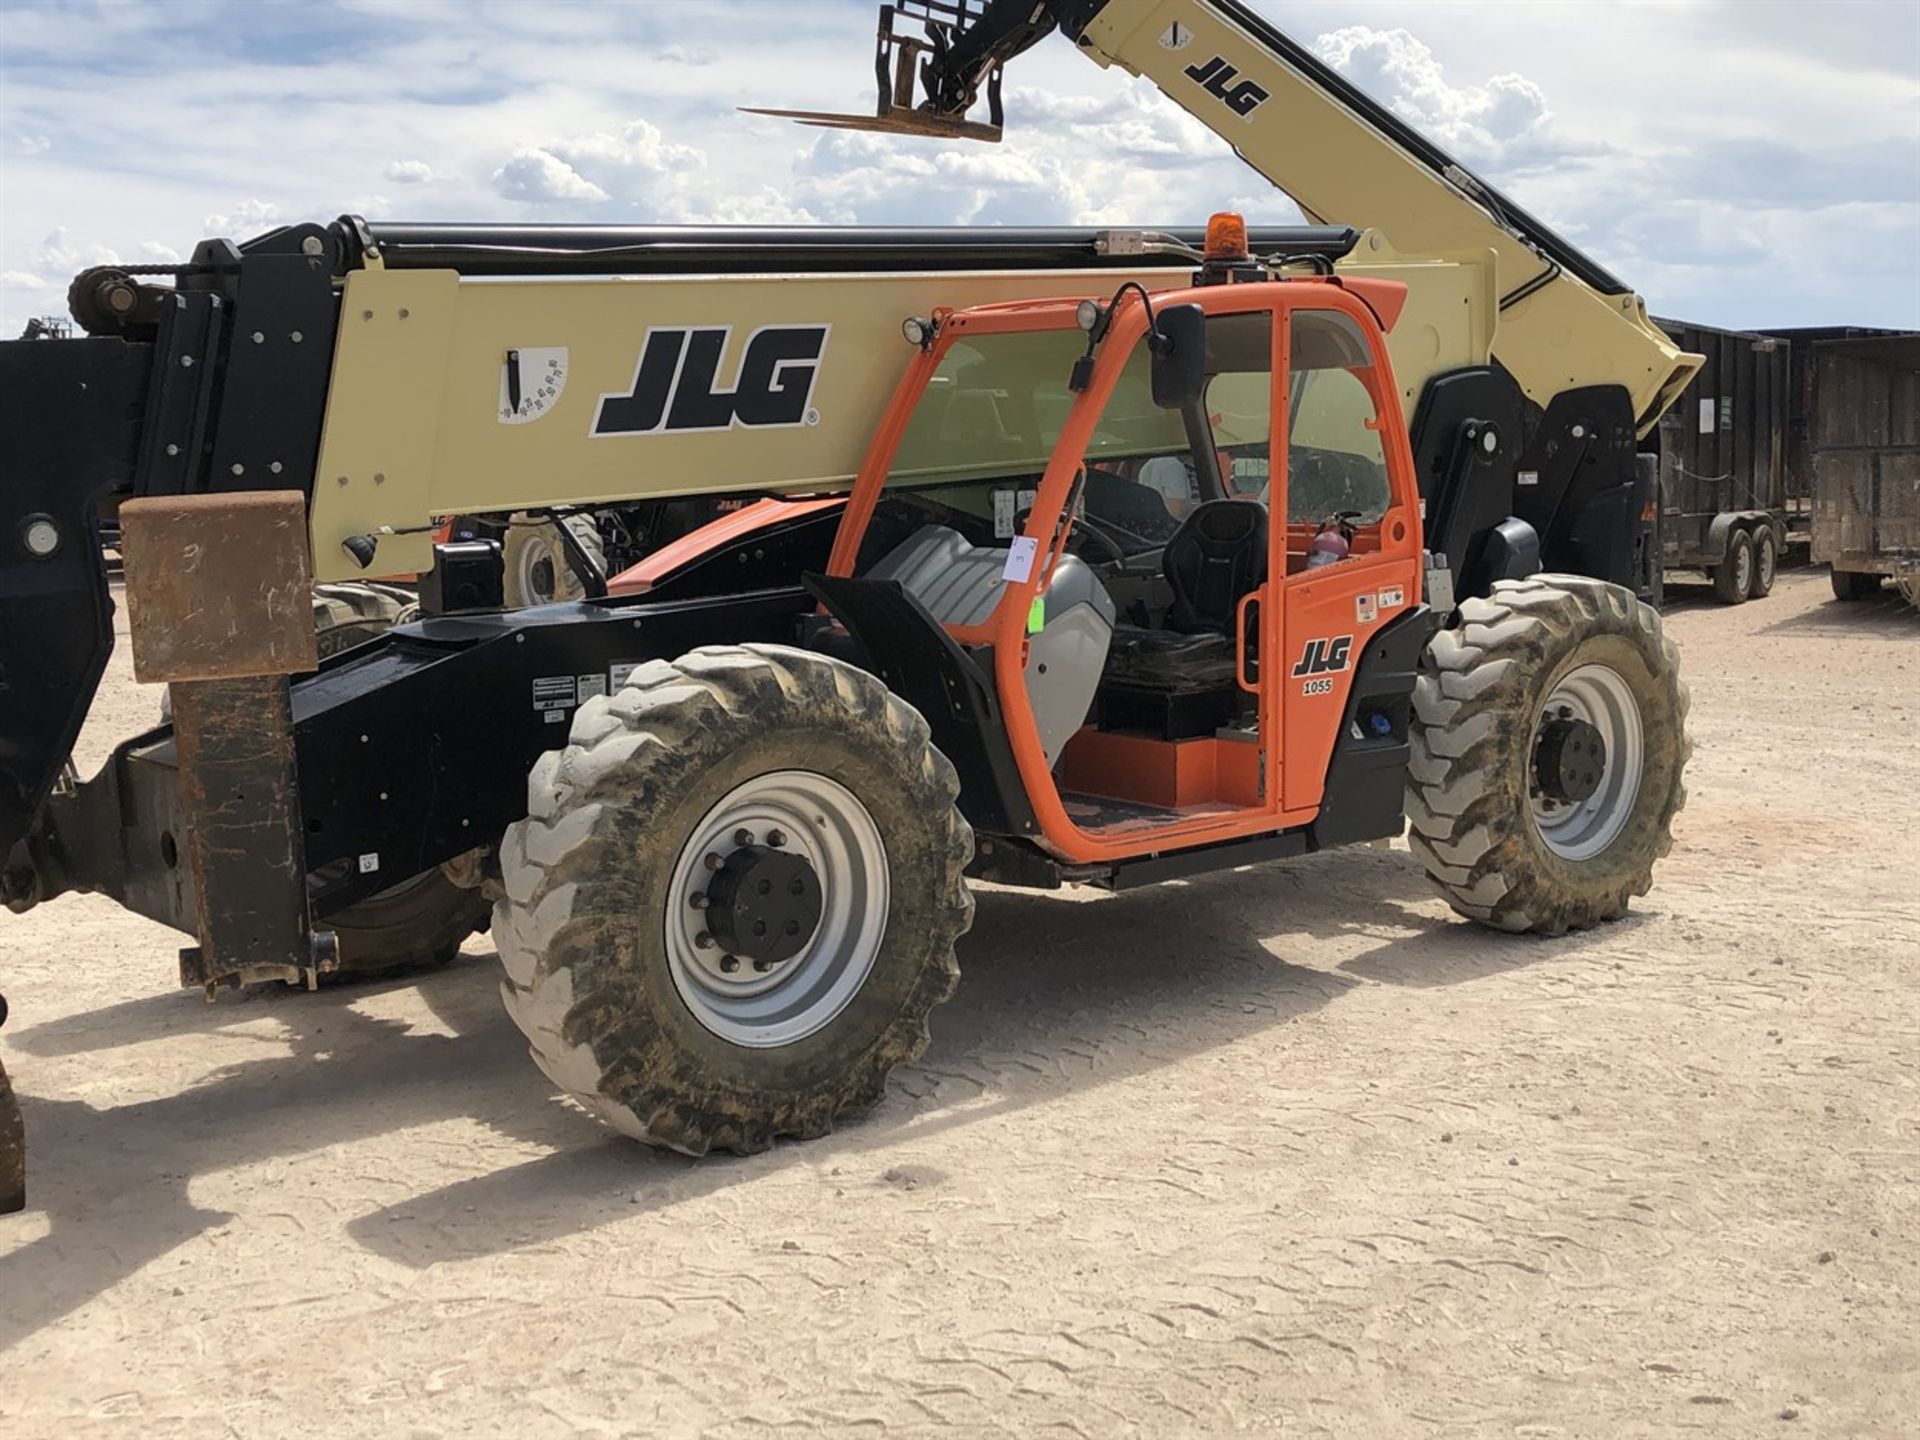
776,837
730,963
763,966
703,941
766,887
759,927
698,900
713,860
793,927
794,887
743,837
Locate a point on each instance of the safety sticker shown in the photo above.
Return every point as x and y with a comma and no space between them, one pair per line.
622,670
588,686
1020,555
1363,609
1392,598
1176,37
553,692
1527,477
370,862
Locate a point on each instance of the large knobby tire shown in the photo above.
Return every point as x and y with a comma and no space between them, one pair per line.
1541,656
353,612
1733,576
536,570
419,923
629,822
1852,585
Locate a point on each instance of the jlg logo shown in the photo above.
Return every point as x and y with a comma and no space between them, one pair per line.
675,389
1216,77
1325,657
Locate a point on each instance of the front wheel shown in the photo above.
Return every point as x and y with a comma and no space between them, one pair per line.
735,899
535,566
1549,747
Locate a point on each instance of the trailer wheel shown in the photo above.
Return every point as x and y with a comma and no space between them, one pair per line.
735,899
1855,585
1549,744
1733,576
1766,563
536,568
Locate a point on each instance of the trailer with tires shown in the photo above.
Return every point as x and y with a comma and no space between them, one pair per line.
1728,507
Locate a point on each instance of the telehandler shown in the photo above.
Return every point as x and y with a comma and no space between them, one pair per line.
1124,574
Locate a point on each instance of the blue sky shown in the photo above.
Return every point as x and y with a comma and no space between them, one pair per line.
1739,162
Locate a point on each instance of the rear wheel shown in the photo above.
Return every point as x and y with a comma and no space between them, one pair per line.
537,569
735,899
1854,585
419,922
1733,576
1549,744
1766,561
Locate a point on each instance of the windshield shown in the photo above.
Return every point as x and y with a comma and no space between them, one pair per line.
996,405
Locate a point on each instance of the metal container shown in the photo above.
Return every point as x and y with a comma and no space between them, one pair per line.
1864,445
1722,448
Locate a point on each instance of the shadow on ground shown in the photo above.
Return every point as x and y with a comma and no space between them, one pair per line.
1057,996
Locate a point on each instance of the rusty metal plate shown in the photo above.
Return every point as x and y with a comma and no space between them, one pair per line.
219,587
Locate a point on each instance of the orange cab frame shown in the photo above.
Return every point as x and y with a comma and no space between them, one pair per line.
1299,720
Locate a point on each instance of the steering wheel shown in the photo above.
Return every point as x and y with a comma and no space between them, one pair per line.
1083,529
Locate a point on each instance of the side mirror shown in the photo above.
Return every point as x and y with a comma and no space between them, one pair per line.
1179,345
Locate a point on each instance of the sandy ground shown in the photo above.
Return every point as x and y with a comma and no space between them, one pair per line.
1282,1150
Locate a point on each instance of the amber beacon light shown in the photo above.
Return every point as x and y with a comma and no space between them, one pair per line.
1226,237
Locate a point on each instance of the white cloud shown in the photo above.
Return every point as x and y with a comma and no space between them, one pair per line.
247,217
410,172
1502,123
539,177
23,280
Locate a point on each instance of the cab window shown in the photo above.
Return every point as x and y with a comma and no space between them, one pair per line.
1336,463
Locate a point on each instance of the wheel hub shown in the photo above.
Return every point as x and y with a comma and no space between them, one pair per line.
1569,760
763,905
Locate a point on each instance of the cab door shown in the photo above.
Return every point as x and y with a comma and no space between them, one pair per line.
1345,530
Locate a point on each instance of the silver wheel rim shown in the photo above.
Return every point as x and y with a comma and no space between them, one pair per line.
1763,559
823,821
1581,829
1742,568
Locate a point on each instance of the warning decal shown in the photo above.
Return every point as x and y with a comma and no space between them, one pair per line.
553,692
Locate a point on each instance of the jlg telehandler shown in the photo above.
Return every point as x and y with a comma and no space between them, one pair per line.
1132,576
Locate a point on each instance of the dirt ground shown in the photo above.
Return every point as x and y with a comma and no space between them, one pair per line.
1281,1150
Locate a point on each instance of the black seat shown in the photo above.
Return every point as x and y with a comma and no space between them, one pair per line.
1180,681
1218,554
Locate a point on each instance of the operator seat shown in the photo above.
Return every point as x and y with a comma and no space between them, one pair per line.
1180,680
